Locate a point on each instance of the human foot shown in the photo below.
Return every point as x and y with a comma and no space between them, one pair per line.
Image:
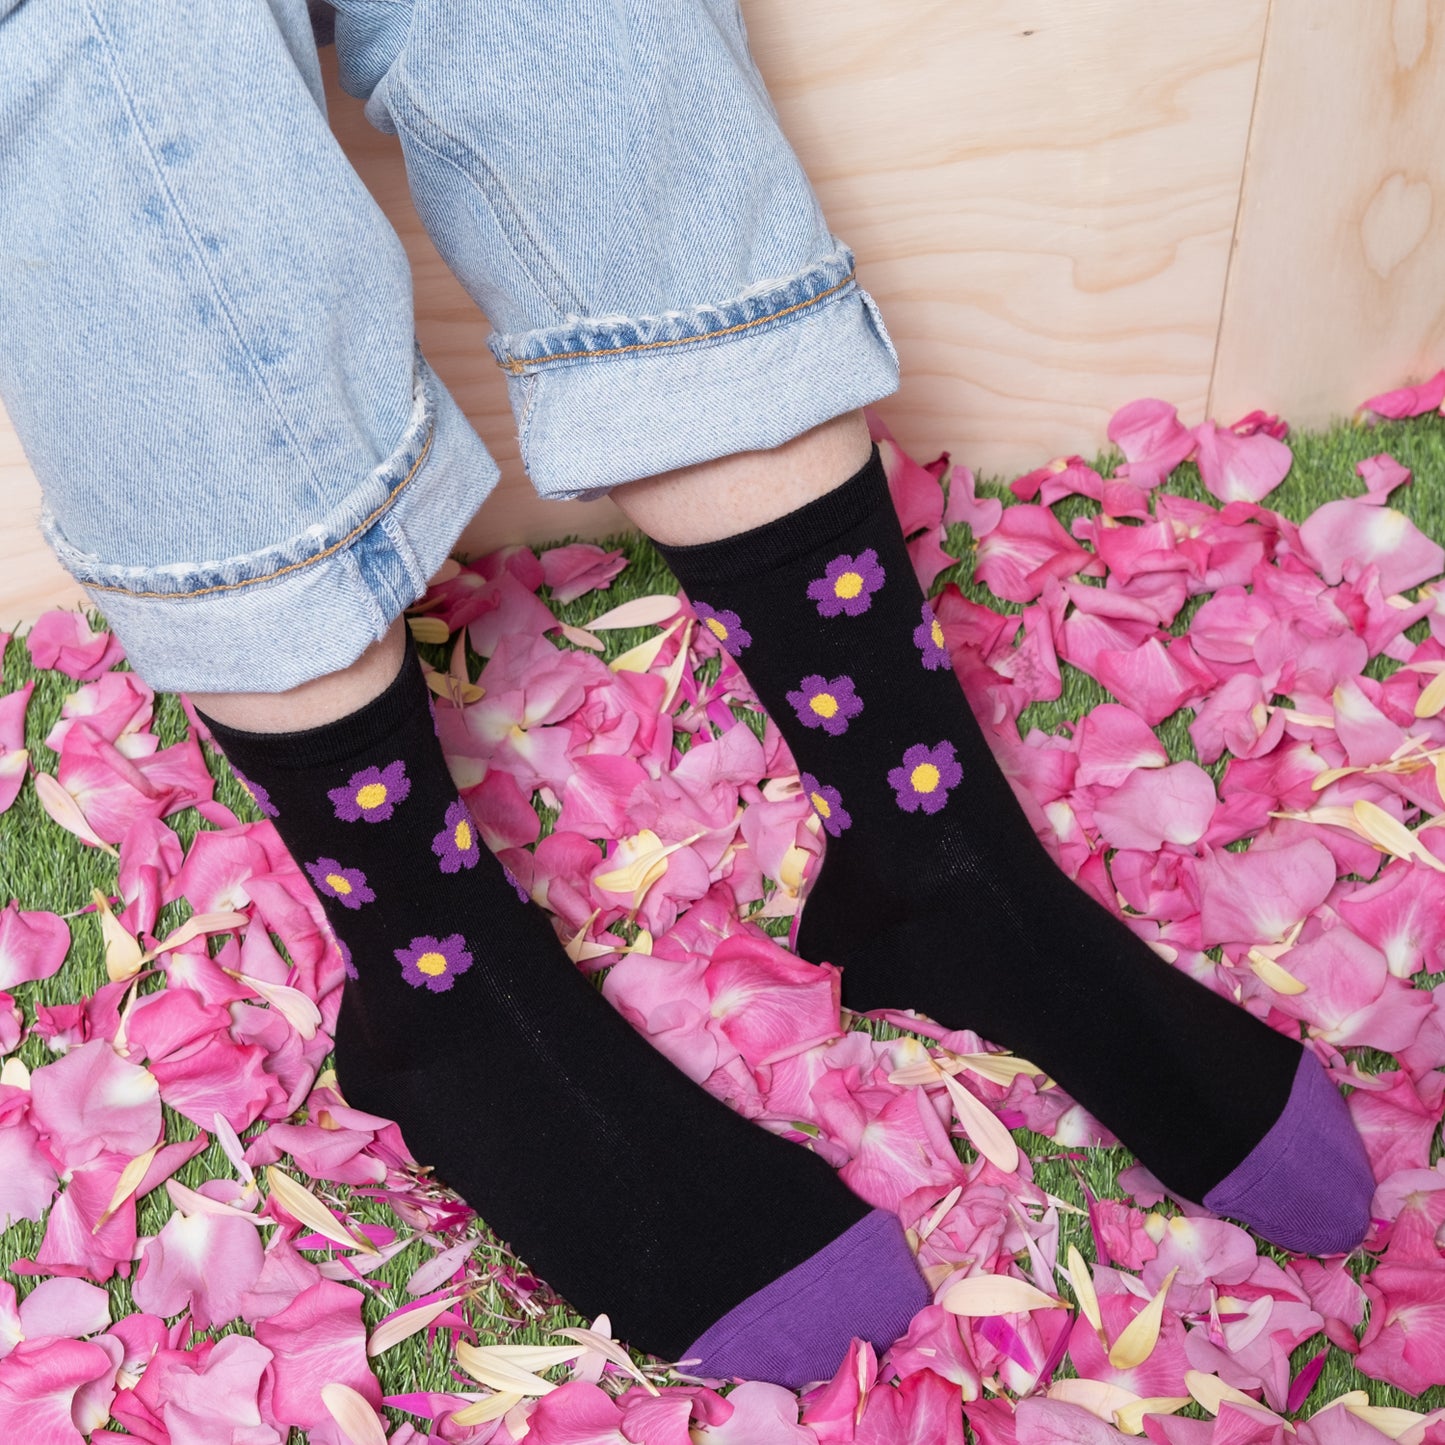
605,1167
937,895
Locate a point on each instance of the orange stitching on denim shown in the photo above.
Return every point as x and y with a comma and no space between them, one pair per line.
290,566
518,367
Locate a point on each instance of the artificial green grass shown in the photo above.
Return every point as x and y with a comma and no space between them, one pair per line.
44,867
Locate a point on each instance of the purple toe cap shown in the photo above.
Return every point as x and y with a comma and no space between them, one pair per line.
798,1328
1307,1185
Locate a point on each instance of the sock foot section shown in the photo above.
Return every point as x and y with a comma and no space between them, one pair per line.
797,1329
1307,1185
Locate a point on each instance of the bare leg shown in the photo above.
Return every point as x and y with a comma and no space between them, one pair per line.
322,700
721,498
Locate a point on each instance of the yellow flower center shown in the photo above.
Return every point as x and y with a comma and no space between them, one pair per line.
373,795
432,964
924,778
849,584
936,632
717,629
462,837
821,804
825,704
338,883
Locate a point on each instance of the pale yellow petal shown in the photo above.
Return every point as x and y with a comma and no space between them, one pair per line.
358,1421
305,1208
640,612
997,1294
579,637
428,629
484,1364
1432,698
126,1185
641,657
983,1127
492,1408
1083,1284
1137,1339
402,1326
1272,975
1130,1418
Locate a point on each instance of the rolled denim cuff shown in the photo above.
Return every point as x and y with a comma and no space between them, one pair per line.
606,400
231,625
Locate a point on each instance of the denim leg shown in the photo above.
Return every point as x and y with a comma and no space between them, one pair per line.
608,180
206,343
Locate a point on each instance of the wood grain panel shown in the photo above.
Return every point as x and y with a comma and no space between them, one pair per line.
1041,196
1337,288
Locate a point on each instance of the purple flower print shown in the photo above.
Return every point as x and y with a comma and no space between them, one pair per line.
827,705
828,805
925,777
928,639
456,844
433,962
726,626
522,895
346,885
847,584
372,794
344,949
259,796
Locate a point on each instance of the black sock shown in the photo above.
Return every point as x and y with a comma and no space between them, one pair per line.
935,894
621,1182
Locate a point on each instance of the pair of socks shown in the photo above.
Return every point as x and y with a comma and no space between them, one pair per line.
936,895
625,1185
621,1182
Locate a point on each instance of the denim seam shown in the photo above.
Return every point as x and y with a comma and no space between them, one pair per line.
197,251
410,117
336,546
518,367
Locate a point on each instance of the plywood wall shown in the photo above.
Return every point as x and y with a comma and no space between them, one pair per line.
1060,205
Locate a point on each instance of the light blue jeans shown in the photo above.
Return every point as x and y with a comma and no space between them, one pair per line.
206,335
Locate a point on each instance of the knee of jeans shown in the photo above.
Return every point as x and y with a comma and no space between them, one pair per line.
369,37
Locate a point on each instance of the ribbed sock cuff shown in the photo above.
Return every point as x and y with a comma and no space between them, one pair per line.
790,537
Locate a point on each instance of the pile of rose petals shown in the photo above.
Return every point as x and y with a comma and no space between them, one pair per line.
676,830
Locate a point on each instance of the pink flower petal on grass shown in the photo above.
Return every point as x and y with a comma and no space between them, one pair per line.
1155,679
91,1101
762,1414
1112,741
922,1410
64,1308
1409,400
1352,533
1404,1342
1026,548
769,1004
28,1180
579,568
317,1339
1238,468
964,505
1152,437
14,758
118,705
1154,806
1381,475
203,1262
62,640
1400,914
39,1380
32,945
1258,896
